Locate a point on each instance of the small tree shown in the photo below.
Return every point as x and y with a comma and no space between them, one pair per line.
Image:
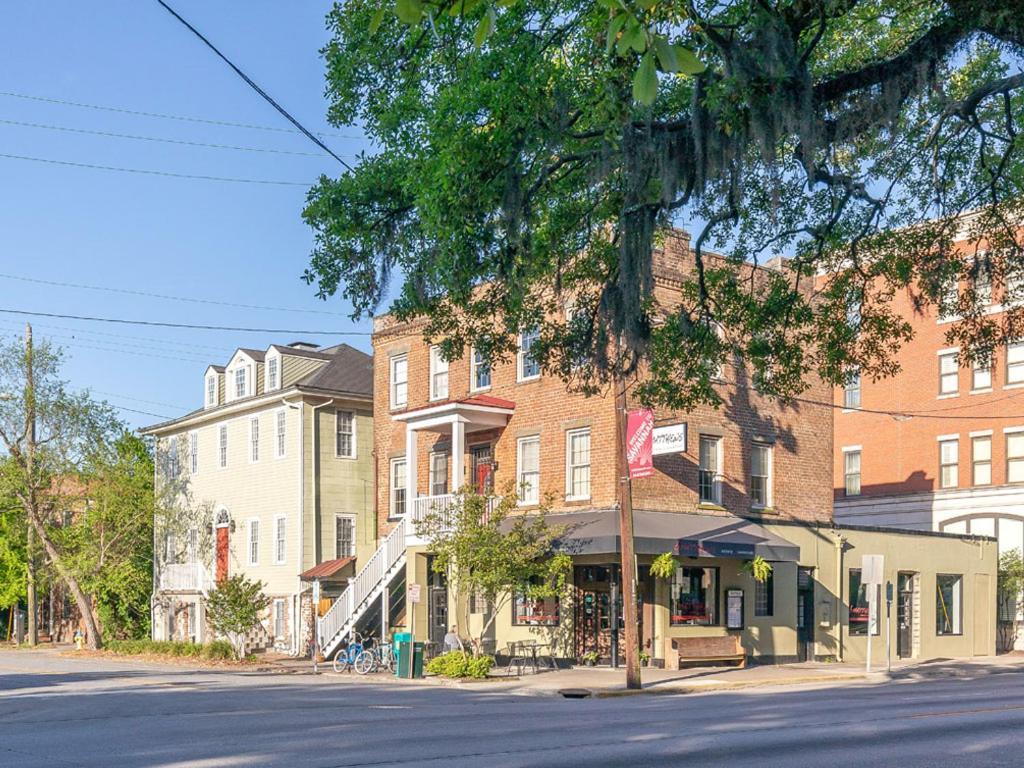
487,551
234,607
1010,586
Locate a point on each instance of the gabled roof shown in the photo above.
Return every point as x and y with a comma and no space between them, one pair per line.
284,349
217,368
255,354
348,370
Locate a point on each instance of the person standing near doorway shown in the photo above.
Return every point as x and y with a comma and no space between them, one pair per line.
452,642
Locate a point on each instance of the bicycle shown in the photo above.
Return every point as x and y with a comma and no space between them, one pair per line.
346,657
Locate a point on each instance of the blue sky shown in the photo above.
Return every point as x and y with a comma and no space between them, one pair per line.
219,241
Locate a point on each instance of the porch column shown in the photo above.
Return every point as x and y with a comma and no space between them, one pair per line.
410,468
458,452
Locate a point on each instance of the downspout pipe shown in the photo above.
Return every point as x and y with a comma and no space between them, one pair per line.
840,544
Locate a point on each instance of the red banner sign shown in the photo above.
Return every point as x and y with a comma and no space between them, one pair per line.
639,443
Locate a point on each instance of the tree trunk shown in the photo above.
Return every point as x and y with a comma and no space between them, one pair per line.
92,634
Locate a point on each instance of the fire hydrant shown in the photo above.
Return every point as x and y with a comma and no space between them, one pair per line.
79,639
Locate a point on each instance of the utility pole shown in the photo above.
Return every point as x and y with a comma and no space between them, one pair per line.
628,568
30,458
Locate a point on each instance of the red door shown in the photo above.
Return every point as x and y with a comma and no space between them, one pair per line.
222,554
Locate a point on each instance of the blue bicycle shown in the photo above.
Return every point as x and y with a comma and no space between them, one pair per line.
347,656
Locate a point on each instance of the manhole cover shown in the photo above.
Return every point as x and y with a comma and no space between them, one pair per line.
575,693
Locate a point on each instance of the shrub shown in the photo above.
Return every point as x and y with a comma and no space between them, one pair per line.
219,649
457,664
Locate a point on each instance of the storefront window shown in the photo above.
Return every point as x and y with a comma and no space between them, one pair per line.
859,610
694,597
534,612
949,589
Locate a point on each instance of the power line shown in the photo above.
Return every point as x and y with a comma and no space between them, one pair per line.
157,173
144,413
149,339
137,399
184,325
165,116
111,134
190,299
74,343
248,80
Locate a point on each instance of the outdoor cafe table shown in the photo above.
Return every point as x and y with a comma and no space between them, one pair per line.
536,652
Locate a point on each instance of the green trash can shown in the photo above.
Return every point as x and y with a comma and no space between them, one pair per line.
403,653
417,660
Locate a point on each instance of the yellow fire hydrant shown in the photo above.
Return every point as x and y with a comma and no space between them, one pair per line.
79,639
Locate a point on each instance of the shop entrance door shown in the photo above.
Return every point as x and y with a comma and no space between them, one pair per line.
437,608
905,616
805,614
597,616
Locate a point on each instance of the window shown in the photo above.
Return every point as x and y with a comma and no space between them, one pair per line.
949,588
193,452
345,434
981,375
851,391
949,374
173,464
399,381
344,536
279,619
764,596
981,460
397,487
223,445
949,301
528,367
577,464
240,389
709,479
528,470
480,372
761,475
279,530
438,375
281,415
859,609
482,462
534,612
272,363
1015,457
851,472
254,439
438,473
170,547
254,542
949,463
694,596
1015,363
211,390
983,281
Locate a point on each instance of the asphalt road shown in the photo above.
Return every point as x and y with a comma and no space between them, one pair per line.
61,712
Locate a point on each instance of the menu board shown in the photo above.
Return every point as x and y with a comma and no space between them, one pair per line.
734,609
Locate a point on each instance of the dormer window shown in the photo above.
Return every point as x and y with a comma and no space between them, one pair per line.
272,372
211,390
240,388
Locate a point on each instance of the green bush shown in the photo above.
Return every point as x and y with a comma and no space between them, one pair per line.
218,649
457,664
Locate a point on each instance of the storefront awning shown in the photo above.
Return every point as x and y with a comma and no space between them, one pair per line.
688,535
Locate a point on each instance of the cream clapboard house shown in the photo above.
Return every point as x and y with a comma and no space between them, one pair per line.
272,478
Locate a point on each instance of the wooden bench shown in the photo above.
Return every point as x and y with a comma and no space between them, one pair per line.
683,650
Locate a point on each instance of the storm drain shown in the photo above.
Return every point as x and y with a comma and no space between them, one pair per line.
575,693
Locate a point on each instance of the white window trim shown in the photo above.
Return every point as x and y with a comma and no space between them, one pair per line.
355,446
280,446
392,384
222,453
569,433
277,519
337,519
520,442
980,433
949,439
254,421
719,466
1011,430
266,373
520,357
769,493
392,514
248,541
210,401
278,611
436,363
954,353
472,374
193,452
945,438
850,448
447,471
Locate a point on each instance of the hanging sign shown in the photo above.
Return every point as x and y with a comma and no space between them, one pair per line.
669,439
414,593
639,447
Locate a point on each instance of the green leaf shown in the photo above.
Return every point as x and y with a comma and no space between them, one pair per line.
632,37
409,11
463,7
378,17
614,27
645,81
647,4
688,61
612,5
666,55
484,28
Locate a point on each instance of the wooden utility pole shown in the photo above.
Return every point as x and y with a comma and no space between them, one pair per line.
30,459
629,611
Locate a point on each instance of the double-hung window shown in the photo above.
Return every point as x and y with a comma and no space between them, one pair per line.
438,375
528,470
480,372
981,460
211,390
1015,363
577,464
397,487
949,374
345,434
344,536
272,366
1015,457
851,471
439,473
254,542
240,386
279,619
528,367
279,539
254,439
851,391
399,381
949,463
173,463
981,375
764,596
761,475
709,479
983,281
193,452
280,424
223,444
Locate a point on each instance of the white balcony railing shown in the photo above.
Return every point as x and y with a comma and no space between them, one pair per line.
183,577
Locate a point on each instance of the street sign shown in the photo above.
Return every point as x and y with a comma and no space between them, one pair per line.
871,571
670,438
639,448
414,593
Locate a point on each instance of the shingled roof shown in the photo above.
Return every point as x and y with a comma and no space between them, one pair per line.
348,370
